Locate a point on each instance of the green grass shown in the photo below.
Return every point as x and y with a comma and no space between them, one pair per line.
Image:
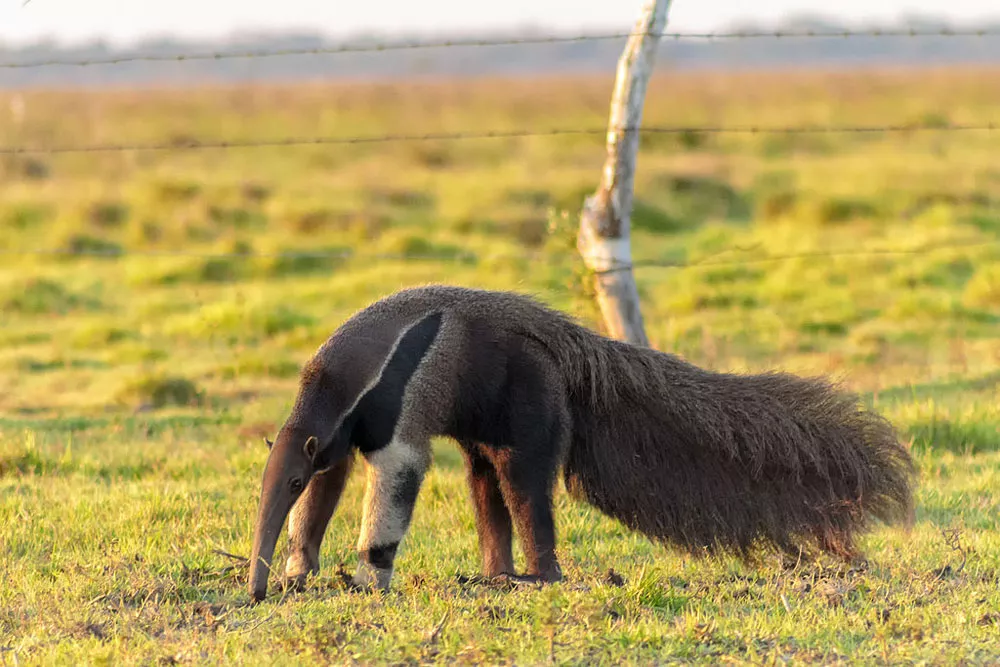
136,386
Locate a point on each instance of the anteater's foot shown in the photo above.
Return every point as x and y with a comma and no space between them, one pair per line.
519,580
294,584
298,567
511,581
549,574
369,578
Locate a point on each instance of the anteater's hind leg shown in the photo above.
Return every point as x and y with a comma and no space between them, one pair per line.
309,518
493,523
527,472
527,487
527,456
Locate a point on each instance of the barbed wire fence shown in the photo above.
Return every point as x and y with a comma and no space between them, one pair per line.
278,142
713,260
384,47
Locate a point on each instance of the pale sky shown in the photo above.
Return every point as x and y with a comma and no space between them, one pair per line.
126,20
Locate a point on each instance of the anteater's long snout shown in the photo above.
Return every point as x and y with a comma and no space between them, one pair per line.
274,508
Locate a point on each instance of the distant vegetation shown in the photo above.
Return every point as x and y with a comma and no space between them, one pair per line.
566,58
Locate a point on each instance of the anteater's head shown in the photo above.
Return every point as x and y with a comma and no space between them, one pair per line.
294,458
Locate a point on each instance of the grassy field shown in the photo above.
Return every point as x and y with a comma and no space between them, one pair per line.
135,387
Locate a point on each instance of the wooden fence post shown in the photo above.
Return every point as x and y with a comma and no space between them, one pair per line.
604,237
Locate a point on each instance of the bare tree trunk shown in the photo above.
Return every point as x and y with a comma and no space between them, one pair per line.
604,237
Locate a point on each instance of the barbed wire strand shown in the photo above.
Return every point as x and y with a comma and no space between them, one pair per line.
197,144
712,260
510,41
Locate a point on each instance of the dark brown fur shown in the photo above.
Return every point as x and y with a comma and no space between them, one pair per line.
706,460
697,459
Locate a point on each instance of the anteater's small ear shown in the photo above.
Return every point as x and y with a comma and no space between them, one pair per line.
268,443
311,448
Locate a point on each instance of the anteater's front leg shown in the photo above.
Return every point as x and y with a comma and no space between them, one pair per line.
309,518
493,524
395,473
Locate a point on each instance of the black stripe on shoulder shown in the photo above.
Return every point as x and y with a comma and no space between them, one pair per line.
378,412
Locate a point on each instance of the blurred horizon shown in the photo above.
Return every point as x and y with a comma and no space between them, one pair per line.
239,33
578,57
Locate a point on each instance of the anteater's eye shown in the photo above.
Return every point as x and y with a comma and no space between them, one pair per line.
296,485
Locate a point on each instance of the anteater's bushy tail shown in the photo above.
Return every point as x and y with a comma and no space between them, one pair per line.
707,460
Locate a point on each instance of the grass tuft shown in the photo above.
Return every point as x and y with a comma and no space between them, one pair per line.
159,390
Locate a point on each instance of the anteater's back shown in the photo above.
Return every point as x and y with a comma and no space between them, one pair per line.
696,458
